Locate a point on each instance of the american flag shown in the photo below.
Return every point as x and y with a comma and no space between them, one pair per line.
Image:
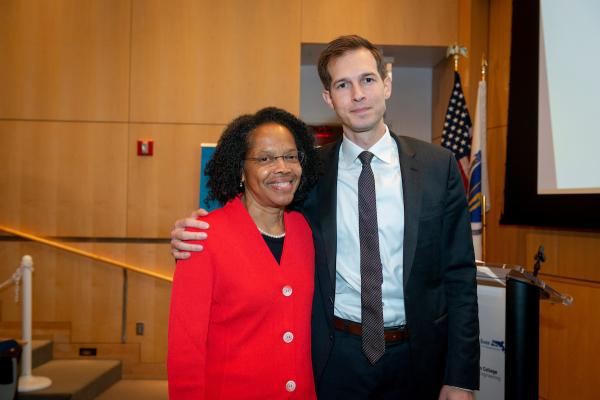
456,135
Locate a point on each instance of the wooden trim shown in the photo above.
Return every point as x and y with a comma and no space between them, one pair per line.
87,254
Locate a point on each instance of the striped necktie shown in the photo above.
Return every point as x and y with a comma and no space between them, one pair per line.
371,275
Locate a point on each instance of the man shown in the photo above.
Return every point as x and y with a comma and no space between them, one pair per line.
395,306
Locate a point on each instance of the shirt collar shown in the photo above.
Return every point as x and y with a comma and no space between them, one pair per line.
383,149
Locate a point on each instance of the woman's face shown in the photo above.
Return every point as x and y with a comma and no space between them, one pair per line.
268,182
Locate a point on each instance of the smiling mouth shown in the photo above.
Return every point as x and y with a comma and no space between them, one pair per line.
284,185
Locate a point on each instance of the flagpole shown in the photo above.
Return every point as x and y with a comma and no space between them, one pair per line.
484,65
483,227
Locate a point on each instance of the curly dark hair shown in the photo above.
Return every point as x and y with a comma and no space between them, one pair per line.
224,170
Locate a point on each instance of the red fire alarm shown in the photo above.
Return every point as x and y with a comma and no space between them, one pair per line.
145,147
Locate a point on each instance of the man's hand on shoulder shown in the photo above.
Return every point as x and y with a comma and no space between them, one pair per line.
179,236
454,393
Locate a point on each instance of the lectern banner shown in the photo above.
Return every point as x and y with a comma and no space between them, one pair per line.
492,318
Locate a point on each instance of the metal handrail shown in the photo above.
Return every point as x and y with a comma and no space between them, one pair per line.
87,254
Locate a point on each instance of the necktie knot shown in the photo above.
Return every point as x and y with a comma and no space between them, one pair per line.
365,157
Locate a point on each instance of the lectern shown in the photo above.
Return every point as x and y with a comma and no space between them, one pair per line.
509,322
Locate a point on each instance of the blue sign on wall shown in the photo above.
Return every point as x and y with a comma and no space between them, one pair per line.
206,152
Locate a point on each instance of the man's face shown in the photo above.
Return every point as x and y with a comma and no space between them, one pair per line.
358,93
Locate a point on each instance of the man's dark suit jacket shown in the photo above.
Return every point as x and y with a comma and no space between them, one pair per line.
440,293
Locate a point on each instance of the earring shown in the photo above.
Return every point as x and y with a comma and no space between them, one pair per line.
241,184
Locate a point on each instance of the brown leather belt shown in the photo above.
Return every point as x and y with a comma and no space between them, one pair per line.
392,335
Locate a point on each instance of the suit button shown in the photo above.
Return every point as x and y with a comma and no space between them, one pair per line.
331,336
288,337
287,290
290,386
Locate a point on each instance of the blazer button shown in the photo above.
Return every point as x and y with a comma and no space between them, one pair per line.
290,386
287,290
288,337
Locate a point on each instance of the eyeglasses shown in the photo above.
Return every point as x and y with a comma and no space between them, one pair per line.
292,157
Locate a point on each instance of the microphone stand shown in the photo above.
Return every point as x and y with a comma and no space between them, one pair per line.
539,258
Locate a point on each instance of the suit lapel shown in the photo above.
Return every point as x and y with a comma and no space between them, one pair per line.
328,207
412,194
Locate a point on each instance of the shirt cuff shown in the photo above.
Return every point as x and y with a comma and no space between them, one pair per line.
456,387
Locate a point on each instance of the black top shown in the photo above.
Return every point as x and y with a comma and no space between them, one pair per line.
275,245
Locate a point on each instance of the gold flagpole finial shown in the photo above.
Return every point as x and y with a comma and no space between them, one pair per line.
484,66
456,51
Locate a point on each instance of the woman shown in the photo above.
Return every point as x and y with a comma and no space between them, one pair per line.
240,310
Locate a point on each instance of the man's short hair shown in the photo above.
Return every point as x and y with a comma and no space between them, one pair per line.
337,47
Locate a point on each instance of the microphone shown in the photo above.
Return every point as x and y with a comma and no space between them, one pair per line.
539,258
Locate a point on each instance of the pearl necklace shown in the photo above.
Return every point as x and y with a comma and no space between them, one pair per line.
270,235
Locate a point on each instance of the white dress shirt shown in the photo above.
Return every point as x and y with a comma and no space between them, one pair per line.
390,220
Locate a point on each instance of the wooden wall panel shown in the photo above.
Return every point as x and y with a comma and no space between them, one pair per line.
64,59
505,243
570,343
165,187
569,254
67,287
442,83
149,303
149,300
401,22
207,62
88,293
472,33
155,257
60,178
499,61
